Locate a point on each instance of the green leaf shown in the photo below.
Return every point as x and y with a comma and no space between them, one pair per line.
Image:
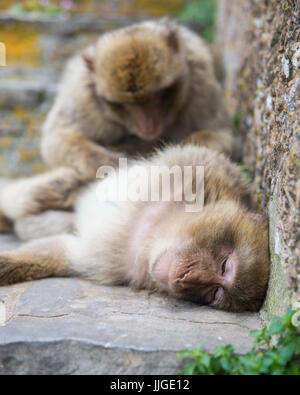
205,360
287,352
190,368
276,328
201,11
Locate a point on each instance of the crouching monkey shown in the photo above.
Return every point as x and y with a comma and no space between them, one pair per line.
134,89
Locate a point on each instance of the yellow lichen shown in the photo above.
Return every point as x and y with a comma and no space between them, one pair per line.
22,47
246,72
6,142
295,155
5,4
159,7
38,167
27,156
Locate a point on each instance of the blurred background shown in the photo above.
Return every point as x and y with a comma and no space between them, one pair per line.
40,35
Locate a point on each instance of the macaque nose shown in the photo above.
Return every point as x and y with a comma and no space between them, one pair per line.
147,119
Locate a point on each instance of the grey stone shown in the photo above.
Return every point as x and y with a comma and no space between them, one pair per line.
8,242
67,26
71,326
25,94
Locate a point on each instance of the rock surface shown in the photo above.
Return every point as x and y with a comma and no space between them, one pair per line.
261,42
71,326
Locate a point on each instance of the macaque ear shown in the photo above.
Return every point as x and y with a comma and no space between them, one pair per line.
88,60
173,40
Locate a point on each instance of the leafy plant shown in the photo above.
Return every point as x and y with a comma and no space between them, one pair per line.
276,351
236,122
202,12
245,172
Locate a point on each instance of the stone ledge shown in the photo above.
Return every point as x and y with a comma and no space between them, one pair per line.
25,94
61,25
81,23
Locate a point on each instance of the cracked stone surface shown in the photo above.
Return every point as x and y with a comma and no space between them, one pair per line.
71,326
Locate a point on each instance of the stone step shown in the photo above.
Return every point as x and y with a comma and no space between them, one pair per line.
71,326
63,25
26,94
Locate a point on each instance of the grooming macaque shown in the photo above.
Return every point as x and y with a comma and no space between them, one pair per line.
216,256
133,90
151,81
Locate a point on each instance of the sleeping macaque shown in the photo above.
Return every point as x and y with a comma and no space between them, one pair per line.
133,90
217,255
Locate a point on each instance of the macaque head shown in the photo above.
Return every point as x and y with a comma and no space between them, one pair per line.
140,75
224,262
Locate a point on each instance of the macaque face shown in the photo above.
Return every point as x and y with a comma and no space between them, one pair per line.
226,265
204,276
148,118
142,78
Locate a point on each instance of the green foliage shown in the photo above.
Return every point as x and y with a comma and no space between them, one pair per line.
236,122
245,172
202,12
276,351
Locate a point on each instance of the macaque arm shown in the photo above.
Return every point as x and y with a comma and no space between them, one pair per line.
35,260
79,153
220,140
45,224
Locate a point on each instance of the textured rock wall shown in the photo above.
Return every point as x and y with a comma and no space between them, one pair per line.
261,41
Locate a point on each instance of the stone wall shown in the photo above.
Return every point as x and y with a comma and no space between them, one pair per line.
261,41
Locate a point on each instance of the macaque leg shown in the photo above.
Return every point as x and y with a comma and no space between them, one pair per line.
56,190
45,224
35,260
220,140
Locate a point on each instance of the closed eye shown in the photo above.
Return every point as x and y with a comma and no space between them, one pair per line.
223,266
217,296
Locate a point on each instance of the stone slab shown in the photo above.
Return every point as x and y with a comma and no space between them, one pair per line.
8,242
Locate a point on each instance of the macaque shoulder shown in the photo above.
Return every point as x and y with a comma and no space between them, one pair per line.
77,109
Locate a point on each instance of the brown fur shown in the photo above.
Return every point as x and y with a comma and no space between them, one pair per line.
33,261
6,226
